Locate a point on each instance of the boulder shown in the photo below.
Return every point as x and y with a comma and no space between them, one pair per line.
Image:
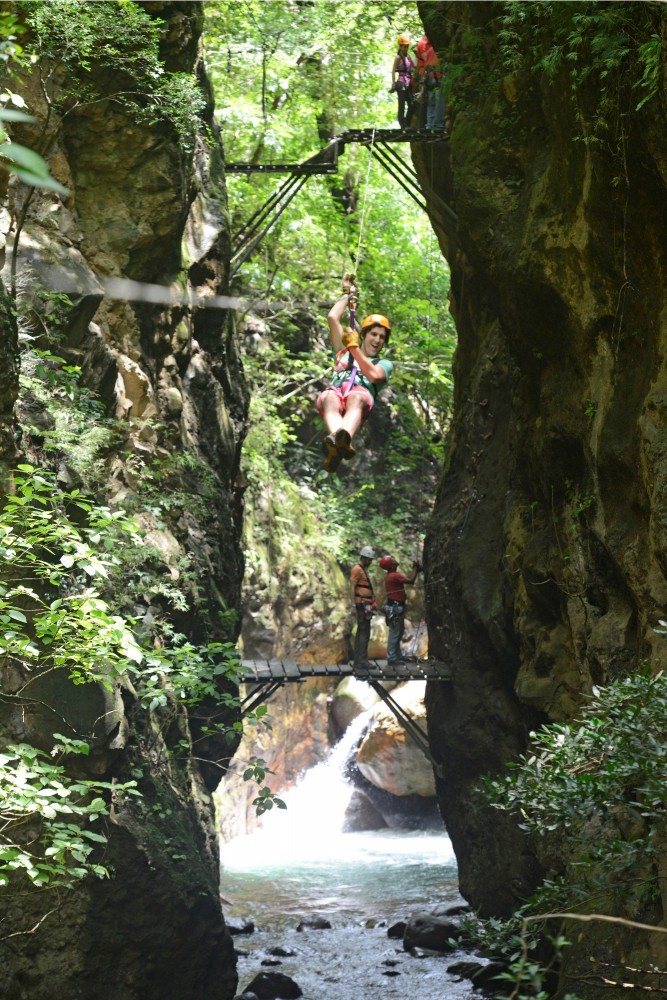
387,756
351,698
425,931
487,978
447,910
361,814
314,924
274,986
397,930
400,812
240,926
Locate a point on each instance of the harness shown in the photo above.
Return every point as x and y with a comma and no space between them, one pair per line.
393,610
346,370
347,374
363,586
432,76
405,73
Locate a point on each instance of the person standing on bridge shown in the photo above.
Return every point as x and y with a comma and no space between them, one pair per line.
402,73
358,377
394,608
363,602
429,85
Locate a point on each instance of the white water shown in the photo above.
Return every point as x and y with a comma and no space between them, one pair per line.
300,864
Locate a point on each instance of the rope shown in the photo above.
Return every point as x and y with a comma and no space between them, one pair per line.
363,206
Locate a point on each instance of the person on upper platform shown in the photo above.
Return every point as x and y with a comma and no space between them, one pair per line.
430,94
359,375
402,81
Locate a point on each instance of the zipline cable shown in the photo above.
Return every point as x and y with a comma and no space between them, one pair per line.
362,221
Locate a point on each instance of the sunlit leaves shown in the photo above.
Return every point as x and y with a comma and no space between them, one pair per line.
44,817
189,672
283,70
585,40
123,38
49,614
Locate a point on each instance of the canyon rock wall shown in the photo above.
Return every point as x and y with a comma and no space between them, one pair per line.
145,208
545,557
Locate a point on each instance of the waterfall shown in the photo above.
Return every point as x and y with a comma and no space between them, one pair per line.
311,826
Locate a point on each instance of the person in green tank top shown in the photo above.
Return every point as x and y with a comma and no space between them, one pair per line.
359,375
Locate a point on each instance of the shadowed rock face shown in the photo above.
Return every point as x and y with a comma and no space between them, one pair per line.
137,203
546,551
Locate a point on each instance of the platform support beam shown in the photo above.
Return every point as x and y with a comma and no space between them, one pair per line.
259,694
415,732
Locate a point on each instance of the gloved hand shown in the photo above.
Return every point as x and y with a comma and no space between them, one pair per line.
417,565
349,283
350,338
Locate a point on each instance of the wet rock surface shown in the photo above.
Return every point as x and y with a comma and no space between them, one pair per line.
543,557
426,931
274,986
173,388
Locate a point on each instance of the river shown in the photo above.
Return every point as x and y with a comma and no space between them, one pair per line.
300,865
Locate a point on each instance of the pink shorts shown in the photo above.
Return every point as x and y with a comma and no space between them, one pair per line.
342,399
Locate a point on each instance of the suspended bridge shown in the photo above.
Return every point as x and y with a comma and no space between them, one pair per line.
325,161
266,676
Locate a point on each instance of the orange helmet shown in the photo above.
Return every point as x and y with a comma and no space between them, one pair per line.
376,319
388,563
403,39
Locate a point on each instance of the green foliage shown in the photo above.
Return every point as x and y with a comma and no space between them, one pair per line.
599,783
191,673
24,163
165,484
288,75
45,817
265,800
54,545
121,37
288,80
650,56
11,51
582,41
49,613
529,953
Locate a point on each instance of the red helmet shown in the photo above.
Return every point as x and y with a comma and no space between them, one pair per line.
388,563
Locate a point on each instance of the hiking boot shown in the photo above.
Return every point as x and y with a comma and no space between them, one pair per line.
331,454
344,444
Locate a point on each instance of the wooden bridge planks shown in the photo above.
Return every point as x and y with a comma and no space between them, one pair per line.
289,671
325,161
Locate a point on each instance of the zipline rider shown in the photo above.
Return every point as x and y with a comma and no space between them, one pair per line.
358,377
